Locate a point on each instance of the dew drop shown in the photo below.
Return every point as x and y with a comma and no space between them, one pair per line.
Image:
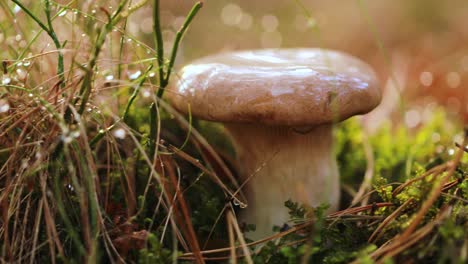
6,80
134,75
21,74
70,187
16,9
66,139
4,106
120,133
75,134
146,93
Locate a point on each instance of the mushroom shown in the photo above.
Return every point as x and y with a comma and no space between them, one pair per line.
279,106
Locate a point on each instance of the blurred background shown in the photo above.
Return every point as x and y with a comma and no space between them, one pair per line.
417,47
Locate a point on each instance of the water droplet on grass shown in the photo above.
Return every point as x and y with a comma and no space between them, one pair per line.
66,139
451,152
75,134
21,74
16,9
6,80
120,133
134,75
146,93
4,106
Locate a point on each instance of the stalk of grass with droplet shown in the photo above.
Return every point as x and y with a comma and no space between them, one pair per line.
164,77
124,118
49,29
85,90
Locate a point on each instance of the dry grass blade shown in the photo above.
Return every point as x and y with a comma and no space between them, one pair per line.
258,242
185,221
197,164
355,210
376,234
240,236
436,170
36,232
232,240
399,244
210,153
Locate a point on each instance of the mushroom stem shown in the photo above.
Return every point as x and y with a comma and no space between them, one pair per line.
282,163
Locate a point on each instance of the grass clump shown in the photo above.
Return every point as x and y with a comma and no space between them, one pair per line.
95,167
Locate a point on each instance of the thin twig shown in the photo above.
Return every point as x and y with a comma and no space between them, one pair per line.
375,235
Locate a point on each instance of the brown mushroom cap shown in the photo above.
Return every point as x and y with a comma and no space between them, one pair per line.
291,87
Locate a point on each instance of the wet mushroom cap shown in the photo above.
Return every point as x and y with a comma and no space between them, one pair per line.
288,87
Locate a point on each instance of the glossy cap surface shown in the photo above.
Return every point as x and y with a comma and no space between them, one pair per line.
291,87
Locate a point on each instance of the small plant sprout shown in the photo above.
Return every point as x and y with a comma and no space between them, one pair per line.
279,106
